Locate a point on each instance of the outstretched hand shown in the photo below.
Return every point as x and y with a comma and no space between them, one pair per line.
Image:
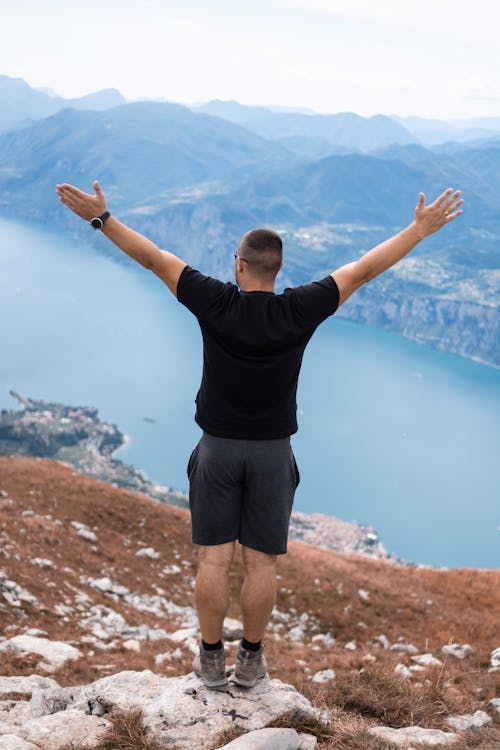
84,205
428,219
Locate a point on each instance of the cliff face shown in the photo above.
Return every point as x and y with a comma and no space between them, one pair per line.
469,329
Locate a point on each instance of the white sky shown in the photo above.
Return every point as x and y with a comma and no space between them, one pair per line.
432,58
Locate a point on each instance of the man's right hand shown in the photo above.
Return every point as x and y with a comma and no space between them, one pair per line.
84,205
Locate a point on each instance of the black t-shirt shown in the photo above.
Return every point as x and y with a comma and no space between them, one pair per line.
253,343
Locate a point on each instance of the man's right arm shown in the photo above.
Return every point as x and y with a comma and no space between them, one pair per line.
428,219
167,266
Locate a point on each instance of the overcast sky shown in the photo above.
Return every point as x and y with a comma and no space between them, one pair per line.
433,58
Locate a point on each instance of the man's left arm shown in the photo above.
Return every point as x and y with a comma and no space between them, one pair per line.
427,220
167,266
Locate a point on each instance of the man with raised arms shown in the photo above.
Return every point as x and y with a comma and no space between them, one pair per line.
242,472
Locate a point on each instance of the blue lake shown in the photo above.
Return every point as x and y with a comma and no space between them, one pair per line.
390,433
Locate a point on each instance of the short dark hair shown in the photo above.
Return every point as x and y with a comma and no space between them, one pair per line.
263,249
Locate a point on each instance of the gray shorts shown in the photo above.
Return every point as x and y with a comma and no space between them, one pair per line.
242,490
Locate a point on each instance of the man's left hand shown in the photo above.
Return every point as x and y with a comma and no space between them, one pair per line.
428,219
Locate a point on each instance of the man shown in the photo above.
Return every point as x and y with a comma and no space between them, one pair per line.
242,473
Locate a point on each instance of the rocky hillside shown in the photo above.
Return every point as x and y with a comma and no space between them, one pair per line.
96,599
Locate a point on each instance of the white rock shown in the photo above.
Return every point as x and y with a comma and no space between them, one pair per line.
281,616
232,629
297,634
132,645
52,700
426,660
266,739
25,684
43,562
157,634
383,640
56,653
495,660
402,670
495,702
78,525
171,569
105,584
364,594
455,649
179,636
13,714
58,730
307,741
324,675
468,721
351,646
87,534
148,552
326,638
405,736
407,648
13,742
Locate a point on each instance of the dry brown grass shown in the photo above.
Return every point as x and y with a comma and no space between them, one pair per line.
396,701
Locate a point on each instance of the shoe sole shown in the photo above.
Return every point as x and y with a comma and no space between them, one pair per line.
212,683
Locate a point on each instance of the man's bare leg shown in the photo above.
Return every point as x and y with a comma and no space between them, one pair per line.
211,591
258,593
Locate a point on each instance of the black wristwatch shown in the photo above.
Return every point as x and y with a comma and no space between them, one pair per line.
98,221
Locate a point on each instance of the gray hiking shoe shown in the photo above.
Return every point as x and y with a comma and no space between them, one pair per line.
249,666
211,667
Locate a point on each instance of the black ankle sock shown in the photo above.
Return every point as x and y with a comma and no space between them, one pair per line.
211,646
249,645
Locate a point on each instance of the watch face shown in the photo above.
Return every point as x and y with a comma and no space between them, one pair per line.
97,222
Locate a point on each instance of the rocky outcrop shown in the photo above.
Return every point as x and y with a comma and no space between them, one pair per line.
177,711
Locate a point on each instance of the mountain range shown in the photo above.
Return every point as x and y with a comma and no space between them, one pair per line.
194,180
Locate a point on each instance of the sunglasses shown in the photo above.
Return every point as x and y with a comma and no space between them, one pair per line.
239,256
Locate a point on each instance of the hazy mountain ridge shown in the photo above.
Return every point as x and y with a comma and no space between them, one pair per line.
20,104
313,135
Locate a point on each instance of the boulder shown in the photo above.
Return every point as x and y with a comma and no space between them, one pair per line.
273,739
55,653
407,736
469,721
